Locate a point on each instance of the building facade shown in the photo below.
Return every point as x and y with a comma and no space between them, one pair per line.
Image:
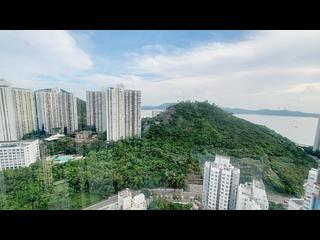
316,144
94,109
220,184
8,127
116,111
56,109
132,113
18,154
252,196
312,191
26,119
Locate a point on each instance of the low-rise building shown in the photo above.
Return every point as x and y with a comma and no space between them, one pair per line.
139,202
83,137
124,200
16,154
54,137
252,196
127,202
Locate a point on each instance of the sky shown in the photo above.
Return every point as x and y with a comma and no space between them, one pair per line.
244,69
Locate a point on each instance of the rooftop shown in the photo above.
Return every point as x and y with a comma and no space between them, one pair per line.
13,144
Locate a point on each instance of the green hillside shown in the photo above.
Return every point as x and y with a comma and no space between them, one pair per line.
206,129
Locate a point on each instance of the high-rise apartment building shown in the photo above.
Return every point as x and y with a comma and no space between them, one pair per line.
26,119
316,144
252,196
132,113
116,111
94,109
18,113
56,109
312,191
8,127
220,184
18,154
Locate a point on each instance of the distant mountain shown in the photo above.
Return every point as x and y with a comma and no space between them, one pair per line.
287,113
271,112
162,106
82,116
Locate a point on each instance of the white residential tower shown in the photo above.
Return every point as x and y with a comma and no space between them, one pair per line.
220,184
56,109
116,111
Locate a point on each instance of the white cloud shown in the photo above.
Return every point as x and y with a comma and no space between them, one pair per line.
27,56
255,72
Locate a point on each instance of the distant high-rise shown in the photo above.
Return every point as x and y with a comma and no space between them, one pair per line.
252,196
114,114
94,109
316,144
116,111
26,120
8,129
132,113
220,184
18,114
56,109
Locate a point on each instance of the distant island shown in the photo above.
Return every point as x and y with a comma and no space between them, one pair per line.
162,106
287,113
271,112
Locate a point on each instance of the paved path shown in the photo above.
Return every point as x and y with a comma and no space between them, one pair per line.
113,200
102,205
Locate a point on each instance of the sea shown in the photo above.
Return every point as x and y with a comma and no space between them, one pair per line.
300,130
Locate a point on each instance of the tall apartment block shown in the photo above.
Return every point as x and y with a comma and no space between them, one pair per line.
220,184
26,119
316,144
132,116
56,109
8,129
116,111
312,191
17,112
94,109
252,196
